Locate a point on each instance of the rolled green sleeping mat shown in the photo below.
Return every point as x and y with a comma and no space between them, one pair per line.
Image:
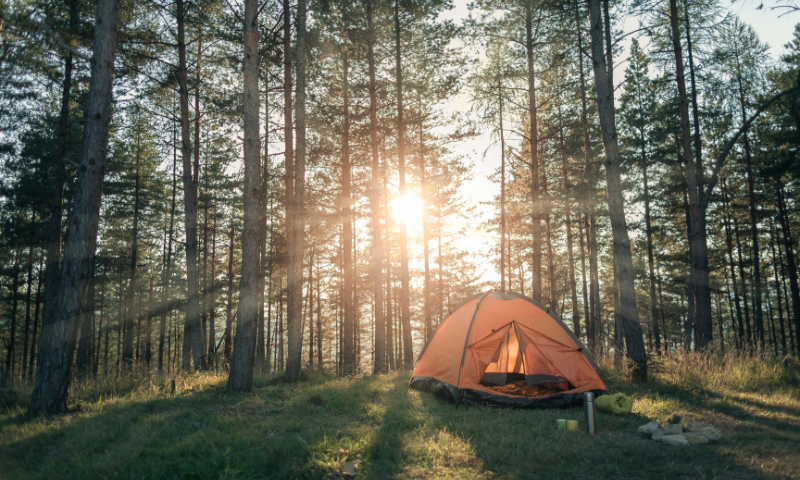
618,404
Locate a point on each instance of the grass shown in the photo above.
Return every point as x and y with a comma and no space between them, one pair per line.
135,427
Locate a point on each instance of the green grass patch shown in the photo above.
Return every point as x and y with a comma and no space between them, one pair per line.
135,427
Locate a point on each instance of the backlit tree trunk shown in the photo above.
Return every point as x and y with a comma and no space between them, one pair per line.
243,360
60,331
405,278
626,311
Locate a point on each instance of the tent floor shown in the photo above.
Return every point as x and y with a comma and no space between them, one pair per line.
519,387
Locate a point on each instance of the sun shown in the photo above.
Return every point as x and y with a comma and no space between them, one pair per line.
407,208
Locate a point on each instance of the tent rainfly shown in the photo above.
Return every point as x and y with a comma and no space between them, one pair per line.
506,350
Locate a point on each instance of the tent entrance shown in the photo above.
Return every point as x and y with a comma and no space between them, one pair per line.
509,361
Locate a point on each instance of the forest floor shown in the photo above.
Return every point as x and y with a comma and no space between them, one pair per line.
134,427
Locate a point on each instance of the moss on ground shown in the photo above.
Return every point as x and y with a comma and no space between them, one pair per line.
134,427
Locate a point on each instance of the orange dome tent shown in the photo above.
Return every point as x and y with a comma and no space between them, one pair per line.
505,349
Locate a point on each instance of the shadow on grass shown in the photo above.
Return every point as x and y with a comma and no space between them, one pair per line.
307,429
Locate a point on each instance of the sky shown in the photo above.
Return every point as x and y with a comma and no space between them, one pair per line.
774,29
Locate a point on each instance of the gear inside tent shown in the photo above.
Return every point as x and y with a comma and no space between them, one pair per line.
505,349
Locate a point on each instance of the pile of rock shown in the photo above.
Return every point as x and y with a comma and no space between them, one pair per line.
680,432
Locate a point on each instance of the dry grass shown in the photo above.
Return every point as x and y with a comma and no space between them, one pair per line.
134,427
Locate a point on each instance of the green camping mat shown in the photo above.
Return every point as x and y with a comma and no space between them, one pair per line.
618,404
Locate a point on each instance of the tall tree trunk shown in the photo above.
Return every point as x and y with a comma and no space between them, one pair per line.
747,323
698,277
59,332
348,351
623,273
548,228
127,355
57,204
193,339
228,346
28,297
242,362
212,308
755,257
34,343
374,189
425,251
294,320
502,190
533,142
592,320
168,263
100,326
729,248
775,264
650,260
576,318
585,289
204,282
790,262
83,358
148,334
405,278
12,331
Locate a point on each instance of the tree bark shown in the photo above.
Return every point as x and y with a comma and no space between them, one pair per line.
592,320
374,188
698,277
533,142
228,346
83,358
193,339
57,204
729,247
791,262
576,318
348,351
167,277
34,343
12,331
242,363
405,278
294,318
623,273
60,331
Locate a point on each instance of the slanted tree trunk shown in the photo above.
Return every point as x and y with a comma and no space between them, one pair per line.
193,339
244,347
57,203
294,320
623,273
60,331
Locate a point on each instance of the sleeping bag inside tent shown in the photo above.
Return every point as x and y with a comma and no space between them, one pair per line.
506,350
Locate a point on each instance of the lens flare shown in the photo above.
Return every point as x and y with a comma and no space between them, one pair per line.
407,209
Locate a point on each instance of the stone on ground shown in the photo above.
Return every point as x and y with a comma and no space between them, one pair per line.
658,434
677,439
692,426
673,429
697,438
647,429
711,432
